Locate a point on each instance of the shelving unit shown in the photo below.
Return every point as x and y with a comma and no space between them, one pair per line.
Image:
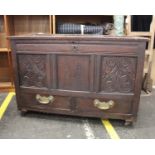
148,68
6,80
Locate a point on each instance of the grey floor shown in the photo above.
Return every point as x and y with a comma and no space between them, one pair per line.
40,126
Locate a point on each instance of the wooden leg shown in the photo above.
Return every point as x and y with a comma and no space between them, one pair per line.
23,112
128,123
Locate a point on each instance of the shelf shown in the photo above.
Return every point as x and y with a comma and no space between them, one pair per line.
6,87
5,84
4,50
140,34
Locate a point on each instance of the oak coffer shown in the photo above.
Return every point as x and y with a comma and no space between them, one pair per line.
92,76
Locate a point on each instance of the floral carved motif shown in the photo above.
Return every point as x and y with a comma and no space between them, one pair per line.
118,74
32,70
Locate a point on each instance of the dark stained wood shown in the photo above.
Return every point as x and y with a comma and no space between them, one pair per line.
92,67
54,72
76,70
77,104
97,73
117,74
72,47
32,70
73,74
48,70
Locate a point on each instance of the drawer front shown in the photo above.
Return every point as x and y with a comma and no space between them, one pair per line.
75,105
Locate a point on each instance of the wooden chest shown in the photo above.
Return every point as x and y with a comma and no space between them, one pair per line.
92,76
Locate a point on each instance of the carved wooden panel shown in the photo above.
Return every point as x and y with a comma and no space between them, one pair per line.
118,74
73,72
32,70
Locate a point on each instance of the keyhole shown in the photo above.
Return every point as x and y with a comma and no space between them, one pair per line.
75,48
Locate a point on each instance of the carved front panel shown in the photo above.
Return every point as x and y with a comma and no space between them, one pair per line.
32,70
118,74
73,72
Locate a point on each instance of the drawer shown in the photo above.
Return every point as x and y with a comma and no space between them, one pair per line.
75,105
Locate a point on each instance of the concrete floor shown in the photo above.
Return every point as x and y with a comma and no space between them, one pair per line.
40,126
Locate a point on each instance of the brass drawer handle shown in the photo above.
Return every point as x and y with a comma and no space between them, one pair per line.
103,105
44,99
